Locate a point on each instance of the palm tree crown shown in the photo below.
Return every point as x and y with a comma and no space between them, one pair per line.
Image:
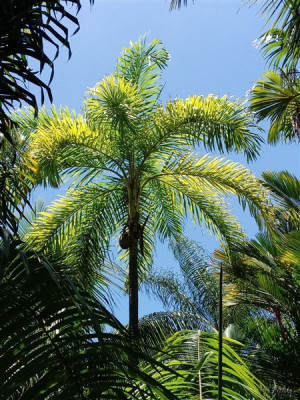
134,173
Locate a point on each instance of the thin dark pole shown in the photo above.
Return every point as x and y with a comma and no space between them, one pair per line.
220,369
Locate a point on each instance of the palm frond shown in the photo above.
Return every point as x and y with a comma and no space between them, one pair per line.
221,176
54,338
114,102
276,97
63,142
196,353
28,29
280,43
177,4
264,273
77,228
18,176
206,209
157,327
140,65
284,187
216,123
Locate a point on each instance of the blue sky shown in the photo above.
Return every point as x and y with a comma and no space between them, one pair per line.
211,47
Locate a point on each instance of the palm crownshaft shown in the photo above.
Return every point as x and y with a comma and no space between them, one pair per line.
130,158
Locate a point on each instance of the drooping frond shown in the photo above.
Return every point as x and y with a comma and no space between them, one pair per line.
276,97
205,208
29,218
216,123
80,224
280,43
194,290
157,327
199,274
164,209
285,192
202,181
284,187
63,141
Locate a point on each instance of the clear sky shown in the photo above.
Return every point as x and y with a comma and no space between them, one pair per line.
211,47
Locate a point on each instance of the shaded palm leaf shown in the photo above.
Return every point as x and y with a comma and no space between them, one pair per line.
276,97
26,27
57,340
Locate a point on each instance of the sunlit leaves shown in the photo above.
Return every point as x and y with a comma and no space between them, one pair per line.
194,354
127,142
213,122
140,65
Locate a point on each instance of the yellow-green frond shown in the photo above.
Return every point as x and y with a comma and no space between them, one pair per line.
113,102
213,122
216,176
71,214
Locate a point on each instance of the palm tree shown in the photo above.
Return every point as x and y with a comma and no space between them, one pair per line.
276,97
134,174
191,297
264,275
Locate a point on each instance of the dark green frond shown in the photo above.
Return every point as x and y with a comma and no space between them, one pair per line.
280,43
285,187
276,97
57,340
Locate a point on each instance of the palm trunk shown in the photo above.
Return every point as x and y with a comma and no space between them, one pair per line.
134,227
133,290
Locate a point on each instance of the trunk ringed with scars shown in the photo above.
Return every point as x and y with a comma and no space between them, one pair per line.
134,228
134,232
129,239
